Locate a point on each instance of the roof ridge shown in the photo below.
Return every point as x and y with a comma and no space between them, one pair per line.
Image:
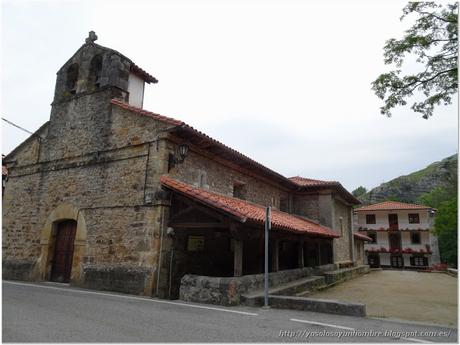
389,203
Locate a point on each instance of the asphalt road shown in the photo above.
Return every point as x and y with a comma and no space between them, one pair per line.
57,313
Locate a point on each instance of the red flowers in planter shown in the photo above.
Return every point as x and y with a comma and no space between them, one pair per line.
439,267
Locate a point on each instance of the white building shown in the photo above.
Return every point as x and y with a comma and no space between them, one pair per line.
401,235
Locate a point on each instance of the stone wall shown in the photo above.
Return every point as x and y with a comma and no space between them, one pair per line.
113,70
342,245
229,290
307,205
203,172
99,159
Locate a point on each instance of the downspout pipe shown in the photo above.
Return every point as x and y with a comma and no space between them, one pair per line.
352,237
161,249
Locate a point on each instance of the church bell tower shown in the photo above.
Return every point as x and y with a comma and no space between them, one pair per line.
94,68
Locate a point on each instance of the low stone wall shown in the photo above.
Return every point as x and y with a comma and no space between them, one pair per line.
337,276
317,305
452,271
18,270
120,279
228,290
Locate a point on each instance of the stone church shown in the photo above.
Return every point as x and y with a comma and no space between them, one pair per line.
107,195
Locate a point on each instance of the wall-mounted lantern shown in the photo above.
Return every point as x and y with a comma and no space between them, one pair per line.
174,160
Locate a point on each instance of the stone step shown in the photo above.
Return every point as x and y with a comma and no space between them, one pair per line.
340,275
292,288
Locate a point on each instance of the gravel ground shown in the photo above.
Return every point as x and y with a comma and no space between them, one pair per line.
406,295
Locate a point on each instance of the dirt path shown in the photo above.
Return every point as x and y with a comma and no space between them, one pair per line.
407,295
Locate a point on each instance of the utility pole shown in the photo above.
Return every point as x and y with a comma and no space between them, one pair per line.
267,228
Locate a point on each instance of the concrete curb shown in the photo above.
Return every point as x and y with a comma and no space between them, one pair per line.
316,305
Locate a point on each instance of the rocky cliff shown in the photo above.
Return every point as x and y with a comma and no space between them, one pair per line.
410,187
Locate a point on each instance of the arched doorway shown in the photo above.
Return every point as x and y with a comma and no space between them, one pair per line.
65,215
63,251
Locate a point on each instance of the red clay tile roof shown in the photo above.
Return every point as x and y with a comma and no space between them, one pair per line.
292,183
140,111
362,237
308,182
247,211
143,74
392,205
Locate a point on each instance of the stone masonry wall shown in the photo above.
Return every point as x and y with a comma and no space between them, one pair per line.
219,178
307,205
342,245
95,160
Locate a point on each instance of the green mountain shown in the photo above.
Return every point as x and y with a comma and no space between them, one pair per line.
409,188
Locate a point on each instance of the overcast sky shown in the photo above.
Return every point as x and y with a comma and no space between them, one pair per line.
285,82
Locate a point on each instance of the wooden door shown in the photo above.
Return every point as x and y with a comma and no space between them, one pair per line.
395,240
63,251
393,221
397,261
373,260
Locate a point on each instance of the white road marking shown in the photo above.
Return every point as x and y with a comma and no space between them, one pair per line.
134,298
323,324
353,329
418,340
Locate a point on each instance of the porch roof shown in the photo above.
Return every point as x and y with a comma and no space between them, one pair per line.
245,211
362,237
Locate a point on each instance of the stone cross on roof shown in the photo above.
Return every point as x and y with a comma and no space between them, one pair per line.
91,37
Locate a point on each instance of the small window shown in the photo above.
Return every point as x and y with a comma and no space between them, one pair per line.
203,179
415,238
414,218
373,236
370,218
239,190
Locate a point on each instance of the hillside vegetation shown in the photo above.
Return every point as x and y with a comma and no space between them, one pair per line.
410,188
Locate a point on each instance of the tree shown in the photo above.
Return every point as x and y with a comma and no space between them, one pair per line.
437,196
445,225
433,39
359,191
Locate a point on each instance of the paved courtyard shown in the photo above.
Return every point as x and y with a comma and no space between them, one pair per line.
406,295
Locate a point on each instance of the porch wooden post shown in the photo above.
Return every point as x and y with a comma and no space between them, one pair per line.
275,255
300,245
318,244
238,258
